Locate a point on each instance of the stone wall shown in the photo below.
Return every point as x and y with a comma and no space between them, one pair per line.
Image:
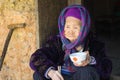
23,40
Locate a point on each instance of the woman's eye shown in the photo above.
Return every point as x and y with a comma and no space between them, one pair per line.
75,27
67,27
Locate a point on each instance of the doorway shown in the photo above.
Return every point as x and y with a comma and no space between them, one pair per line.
49,11
106,21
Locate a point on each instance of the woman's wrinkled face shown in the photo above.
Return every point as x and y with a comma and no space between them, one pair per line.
72,28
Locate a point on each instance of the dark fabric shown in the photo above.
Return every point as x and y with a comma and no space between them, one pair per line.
52,54
37,76
86,73
83,73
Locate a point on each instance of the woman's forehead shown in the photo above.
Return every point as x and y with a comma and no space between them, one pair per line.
72,20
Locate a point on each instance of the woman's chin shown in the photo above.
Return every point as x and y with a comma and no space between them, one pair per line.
72,40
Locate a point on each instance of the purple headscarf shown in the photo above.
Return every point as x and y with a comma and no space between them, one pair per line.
74,12
82,14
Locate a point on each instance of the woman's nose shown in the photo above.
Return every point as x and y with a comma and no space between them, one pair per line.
71,31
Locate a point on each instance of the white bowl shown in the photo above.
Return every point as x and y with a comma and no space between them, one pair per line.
78,57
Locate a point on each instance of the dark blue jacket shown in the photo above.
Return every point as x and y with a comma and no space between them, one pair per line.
52,54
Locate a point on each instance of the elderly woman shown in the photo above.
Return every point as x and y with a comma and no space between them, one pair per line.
74,36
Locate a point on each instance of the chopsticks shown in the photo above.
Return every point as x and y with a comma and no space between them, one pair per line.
59,69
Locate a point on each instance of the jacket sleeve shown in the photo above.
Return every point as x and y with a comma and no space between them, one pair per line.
104,64
45,57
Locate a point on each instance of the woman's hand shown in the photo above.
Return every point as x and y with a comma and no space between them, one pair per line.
55,75
85,62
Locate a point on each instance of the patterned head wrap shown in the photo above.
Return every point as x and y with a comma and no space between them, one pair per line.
81,13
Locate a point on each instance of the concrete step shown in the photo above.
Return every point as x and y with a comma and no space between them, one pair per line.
115,77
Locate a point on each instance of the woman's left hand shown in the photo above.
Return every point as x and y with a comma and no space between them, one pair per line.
85,62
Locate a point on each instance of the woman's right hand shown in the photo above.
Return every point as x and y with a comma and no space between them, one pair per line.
55,75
